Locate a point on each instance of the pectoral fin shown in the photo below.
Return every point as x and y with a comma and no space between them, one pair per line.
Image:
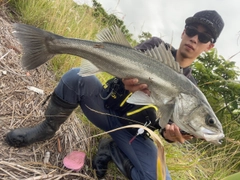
166,112
140,98
87,68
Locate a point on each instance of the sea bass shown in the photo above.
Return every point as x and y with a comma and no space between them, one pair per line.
176,97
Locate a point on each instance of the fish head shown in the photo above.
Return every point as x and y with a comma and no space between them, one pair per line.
196,117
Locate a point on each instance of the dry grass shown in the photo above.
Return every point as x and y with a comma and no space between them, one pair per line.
20,107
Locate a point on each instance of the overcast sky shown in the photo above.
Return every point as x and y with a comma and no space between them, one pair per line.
166,19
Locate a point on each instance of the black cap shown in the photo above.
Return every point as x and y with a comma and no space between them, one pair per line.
209,19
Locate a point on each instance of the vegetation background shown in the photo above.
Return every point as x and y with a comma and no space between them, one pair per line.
217,78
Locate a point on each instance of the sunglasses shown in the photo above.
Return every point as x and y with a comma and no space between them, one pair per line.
202,37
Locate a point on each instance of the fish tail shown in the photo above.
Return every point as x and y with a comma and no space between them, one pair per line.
35,44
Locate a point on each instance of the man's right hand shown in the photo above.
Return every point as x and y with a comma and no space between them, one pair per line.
132,85
173,133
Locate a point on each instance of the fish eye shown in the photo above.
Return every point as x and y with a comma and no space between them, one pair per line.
210,121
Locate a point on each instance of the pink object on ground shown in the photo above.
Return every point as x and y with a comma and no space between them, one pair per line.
75,160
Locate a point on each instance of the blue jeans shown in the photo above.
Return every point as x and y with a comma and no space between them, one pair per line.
85,91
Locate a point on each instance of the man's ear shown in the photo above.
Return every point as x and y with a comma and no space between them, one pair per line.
211,45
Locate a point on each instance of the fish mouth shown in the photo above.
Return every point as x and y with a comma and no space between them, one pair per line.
211,136
215,139
207,135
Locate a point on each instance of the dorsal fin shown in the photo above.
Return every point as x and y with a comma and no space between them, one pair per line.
164,56
113,35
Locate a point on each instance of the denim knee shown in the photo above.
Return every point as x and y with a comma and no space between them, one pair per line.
67,88
73,87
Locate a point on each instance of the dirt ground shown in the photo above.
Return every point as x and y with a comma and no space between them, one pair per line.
21,107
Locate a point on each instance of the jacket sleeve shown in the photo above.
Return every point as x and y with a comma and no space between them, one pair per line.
149,44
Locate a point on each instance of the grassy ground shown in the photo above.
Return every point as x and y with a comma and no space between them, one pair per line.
64,17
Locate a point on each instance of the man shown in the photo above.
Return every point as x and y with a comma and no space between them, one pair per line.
135,156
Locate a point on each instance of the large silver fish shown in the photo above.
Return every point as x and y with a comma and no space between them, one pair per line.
175,95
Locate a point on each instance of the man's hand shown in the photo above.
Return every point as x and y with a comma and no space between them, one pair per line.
172,133
133,85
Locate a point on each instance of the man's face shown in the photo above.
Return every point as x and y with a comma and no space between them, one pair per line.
195,41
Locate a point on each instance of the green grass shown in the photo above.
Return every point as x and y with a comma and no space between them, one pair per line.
197,161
